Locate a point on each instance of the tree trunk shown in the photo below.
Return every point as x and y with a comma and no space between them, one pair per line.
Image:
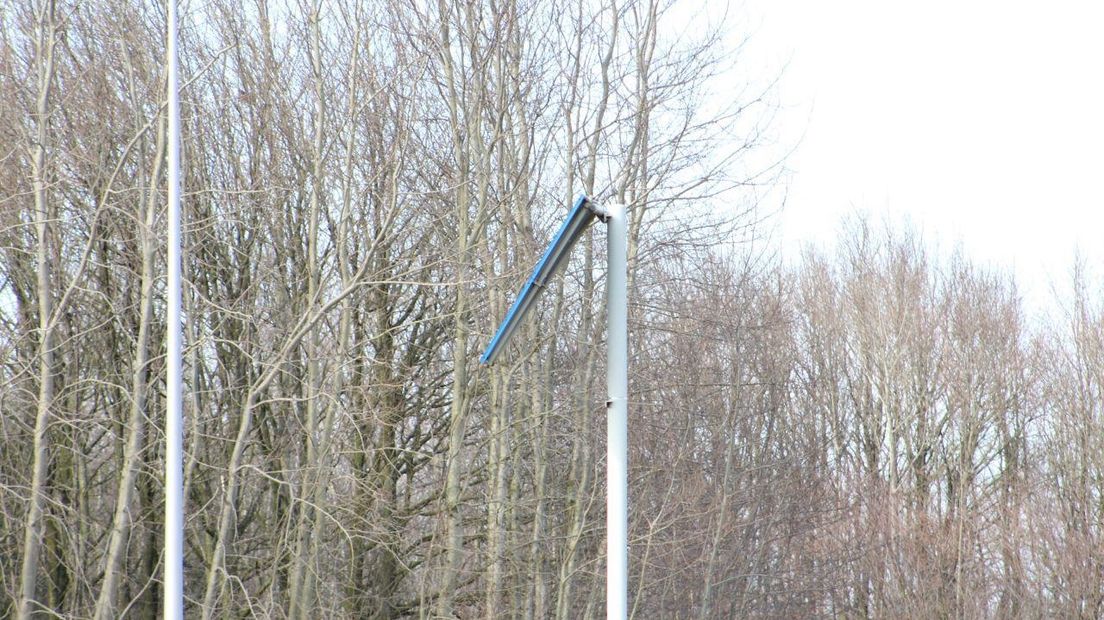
44,60
136,425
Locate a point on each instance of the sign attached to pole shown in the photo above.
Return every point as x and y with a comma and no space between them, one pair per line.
582,214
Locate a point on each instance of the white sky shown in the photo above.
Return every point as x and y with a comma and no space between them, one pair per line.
980,121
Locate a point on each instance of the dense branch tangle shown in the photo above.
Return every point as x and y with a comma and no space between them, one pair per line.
875,432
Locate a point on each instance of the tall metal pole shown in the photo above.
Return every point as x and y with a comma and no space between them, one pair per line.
174,423
617,415
617,407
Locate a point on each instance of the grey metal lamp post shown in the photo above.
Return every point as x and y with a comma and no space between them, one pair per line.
583,213
174,405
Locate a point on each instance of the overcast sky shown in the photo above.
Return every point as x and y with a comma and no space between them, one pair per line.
981,121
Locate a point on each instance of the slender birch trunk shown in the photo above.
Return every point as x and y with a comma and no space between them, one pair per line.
136,425
303,572
463,138
581,465
45,41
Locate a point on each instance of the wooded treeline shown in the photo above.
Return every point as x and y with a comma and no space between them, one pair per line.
872,432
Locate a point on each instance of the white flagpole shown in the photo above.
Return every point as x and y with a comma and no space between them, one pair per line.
617,415
174,424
